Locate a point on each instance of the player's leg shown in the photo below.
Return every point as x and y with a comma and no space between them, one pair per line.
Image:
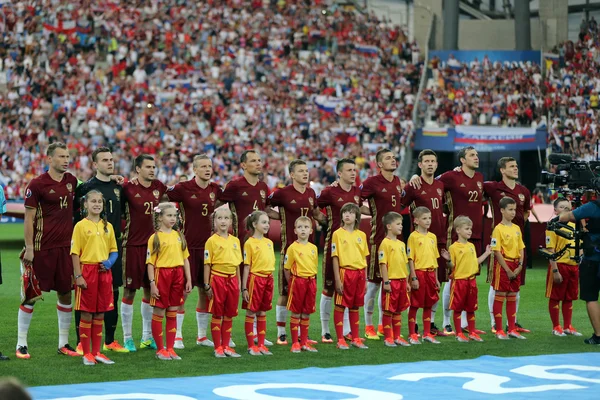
572,293
294,327
85,327
158,314
180,317
146,311
23,321
447,326
261,328
491,302
499,299
370,295
64,306
111,318
380,315
97,326
249,330
202,318
326,296
127,318
282,300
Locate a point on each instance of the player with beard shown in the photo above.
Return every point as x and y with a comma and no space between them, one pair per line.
196,200
293,201
48,229
244,195
140,197
332,199
383,192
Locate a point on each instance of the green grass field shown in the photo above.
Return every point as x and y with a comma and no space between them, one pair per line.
47,368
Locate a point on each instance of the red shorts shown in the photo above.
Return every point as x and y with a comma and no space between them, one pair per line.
54,269
398,299
442,270
568,289
302,295
135,273
98,296
463,295
373,272
427,294
170,283
197,266
353,286
226,295
260,290
500,281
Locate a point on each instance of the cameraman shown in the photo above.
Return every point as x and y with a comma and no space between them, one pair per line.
589,269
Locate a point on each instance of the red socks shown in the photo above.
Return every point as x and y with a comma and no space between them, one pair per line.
226,331
387,325
553,307
157,331
427,321
304,324
511,311
567,310
457,323
471,321
497,309
215,330
354,323
338,322
412,320
96,335
397,324
261,329
294,322
249,329
171,328
85,334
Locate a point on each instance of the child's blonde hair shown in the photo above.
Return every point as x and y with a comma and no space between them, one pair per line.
159,212
303,218
420,211
461,221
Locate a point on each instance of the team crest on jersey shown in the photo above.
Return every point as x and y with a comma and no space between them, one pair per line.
399,189
69,187
356,199
439,192
156,193
28,193
359,240
117,193
312,252
311,201
480,185
129,281
381,255
521,197
263,194
212,196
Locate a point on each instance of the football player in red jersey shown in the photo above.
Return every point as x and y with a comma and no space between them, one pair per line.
48,229
332,199
383,192
196,200
495,191
431,196
141,196
293,201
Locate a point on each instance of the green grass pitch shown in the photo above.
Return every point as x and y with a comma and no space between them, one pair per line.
47,368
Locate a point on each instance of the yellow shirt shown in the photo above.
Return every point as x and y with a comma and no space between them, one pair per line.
507,240
422,249
224,255
302,259
91,242
556,243
464,259
170,254
392,253
259,255
351,248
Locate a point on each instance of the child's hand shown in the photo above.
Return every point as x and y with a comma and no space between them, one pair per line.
557,277
408,288
188,286
437,285
387,287
414,284
338,288
154,291
80,282
488,249
445,255
246,296
209,293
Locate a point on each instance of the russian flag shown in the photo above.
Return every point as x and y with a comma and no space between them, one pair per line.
328,104
367,49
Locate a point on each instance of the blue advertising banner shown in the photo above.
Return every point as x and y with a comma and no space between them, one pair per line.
483,138
466,56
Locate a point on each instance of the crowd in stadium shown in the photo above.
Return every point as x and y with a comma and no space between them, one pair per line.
158,80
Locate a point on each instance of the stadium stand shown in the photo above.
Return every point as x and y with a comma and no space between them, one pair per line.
320,83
